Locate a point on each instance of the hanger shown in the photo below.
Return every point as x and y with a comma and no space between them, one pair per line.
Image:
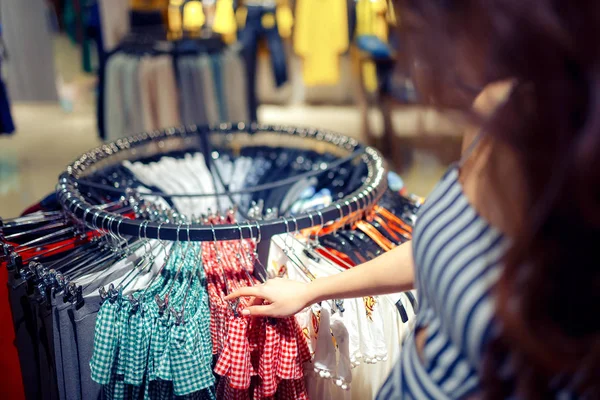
263,271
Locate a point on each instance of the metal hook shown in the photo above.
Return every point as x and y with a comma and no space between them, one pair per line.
320,214
287,231
255,252
162,243
259,233
95,219
311,240
242,254
359,206
337,205
348,204
85,213
295,224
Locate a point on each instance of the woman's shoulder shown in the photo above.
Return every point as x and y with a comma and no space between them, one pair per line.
491,177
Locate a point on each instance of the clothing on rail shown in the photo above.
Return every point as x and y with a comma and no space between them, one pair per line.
146,89
98,315
27,34
354,342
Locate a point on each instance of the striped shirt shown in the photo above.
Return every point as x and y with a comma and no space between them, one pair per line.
457,256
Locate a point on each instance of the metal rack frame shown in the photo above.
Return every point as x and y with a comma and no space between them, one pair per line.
74,202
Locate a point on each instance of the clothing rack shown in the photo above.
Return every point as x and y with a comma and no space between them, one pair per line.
72,200
196,84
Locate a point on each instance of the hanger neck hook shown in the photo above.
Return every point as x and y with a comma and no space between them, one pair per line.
295,224
337,205
348,204
320,214
312,225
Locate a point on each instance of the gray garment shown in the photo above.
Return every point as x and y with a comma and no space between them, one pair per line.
209,92
84,321
73,332
134,121
234,83
185,83
67,362
31,74
191,89
114,113
198,102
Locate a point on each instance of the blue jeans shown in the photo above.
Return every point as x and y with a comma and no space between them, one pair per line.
249,36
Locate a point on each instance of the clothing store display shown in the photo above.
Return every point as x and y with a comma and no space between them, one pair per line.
321,37
27,35
366,331
143,88
101,314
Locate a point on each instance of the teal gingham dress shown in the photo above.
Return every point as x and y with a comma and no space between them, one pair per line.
139,353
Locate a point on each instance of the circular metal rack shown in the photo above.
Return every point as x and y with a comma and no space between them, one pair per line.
73,180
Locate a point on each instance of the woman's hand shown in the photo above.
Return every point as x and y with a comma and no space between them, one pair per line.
284,298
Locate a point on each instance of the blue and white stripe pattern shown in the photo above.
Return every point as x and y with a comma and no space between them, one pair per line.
457,255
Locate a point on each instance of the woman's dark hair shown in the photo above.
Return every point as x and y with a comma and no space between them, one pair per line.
548,295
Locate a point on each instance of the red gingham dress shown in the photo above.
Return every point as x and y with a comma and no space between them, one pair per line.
256,358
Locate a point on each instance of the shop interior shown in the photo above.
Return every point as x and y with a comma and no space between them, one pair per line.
303,116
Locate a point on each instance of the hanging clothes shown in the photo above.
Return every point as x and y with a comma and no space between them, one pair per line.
30,70
98,316
260,22
320,38
372,29
158,92
114,18
142,88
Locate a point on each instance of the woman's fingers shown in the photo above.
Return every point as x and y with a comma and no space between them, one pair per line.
260,311
245,291
255,301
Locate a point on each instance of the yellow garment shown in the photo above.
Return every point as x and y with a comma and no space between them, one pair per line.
174,19
320,37
369,76
391,14
285,20
225,21
268,20
371,18
193,16
241,14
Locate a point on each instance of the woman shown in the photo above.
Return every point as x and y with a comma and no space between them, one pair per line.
503,254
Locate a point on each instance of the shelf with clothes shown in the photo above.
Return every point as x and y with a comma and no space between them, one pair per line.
149,83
